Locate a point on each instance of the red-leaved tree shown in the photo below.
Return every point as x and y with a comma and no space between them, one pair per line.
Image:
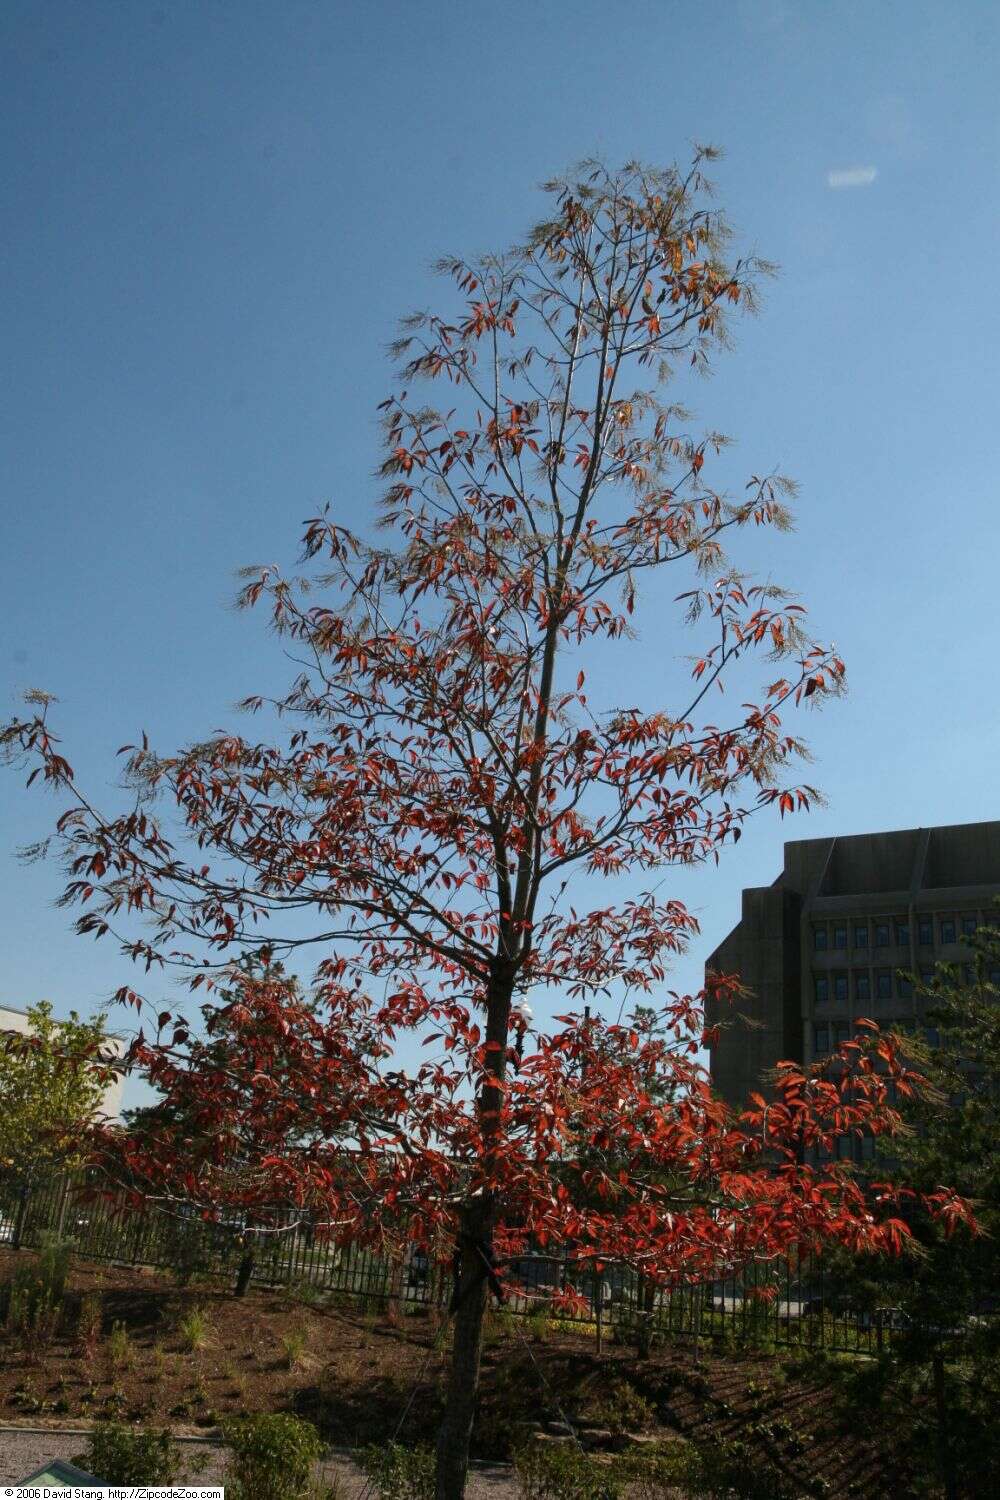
449,786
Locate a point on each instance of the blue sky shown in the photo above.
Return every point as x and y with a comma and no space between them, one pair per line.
214,214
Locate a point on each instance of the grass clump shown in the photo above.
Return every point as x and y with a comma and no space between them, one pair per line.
119,1346
306,1294
293,1347
193,1329
89,1323
539,1324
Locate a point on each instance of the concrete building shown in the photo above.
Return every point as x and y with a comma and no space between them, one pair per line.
837,933
111,1103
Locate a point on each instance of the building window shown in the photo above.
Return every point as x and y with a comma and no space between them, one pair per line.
819,939
947,930
902,934
995,976
822,988
821,1043
883,984
968,974
881,934
969,924
862,987
904,986
840,935
933,1036
841,1033
926,977
840,986
925,932
861,934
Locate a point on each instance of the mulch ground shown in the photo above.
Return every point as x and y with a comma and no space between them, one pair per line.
361,1378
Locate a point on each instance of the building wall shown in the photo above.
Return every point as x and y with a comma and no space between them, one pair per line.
833,938
761,1027
17,1021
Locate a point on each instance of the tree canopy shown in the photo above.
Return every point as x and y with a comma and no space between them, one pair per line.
465,745
52,1081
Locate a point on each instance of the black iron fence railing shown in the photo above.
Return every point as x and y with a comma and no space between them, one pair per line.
771,1303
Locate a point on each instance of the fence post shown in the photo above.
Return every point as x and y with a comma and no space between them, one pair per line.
395,1288
138,1236
599,1310
246,1265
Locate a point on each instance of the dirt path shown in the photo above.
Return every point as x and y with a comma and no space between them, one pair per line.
24,1449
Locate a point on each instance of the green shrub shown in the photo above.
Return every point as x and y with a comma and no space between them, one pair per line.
34,1295
131,1455
708,1471
187,1250
398,1473
732,1468
503,1418
54,1259
672,1470
272,1457
620,1408
21,1301
554,1472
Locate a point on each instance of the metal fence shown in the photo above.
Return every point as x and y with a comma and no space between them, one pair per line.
763,1304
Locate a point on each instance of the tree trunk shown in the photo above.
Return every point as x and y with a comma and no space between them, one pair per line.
945,1450
463,1379
475,1255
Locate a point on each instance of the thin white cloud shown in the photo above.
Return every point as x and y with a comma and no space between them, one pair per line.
852,177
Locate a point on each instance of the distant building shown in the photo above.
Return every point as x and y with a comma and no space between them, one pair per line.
111,1103
835,936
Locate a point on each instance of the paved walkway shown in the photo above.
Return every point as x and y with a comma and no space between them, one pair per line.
25,1449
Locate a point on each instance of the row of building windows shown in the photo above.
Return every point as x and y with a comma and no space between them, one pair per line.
842,984
886,932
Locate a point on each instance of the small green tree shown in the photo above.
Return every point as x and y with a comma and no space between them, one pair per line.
52,1081
946,1286
955,1134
